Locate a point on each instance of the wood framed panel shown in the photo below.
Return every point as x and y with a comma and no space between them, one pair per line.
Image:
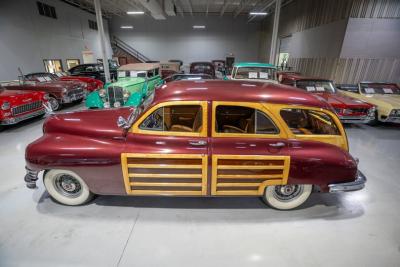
164,174
247,175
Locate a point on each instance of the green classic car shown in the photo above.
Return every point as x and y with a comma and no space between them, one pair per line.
253,71
135,82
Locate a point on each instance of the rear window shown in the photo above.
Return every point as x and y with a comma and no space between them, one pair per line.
316,86
255,73
380,89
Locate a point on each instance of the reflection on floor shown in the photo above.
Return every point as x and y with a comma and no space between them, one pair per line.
353,229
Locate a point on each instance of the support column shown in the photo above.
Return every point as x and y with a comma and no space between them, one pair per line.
274,41
102,39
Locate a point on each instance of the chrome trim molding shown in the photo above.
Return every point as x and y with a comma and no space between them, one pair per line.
30,178
15,120
358,184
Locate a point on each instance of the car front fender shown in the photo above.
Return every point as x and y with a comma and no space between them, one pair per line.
134,100
93,100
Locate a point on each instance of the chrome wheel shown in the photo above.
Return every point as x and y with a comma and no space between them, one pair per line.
287,192
67,185
54,103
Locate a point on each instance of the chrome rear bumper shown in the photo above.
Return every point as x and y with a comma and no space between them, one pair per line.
355,119
358,184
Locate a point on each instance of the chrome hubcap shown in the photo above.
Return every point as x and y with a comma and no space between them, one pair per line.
54,103
67,185
287,192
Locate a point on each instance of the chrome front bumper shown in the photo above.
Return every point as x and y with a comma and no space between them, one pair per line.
17,119
31,177
356,119
358,184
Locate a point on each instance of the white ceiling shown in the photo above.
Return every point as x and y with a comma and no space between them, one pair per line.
156,8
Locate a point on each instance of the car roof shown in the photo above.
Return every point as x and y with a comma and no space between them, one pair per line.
254,64
37,73
236,91
139,66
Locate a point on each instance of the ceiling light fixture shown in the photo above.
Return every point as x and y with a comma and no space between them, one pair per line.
199,26
258,13
135,12
126,27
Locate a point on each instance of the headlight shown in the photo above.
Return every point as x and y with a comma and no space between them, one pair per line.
371,112
46,97
64,90
102,93
107,104
338,110
117,105
5,105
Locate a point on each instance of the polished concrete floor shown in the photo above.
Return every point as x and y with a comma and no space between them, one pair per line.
351,229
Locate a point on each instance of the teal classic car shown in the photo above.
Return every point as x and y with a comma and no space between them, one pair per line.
135,82
253,71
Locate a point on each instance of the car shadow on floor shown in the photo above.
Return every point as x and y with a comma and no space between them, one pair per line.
242,209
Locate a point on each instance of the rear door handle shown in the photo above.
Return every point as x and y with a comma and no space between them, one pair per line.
198,143
277,145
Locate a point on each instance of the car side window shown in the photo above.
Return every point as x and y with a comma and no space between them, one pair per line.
150,73
176,118
309,122
156,71
243,120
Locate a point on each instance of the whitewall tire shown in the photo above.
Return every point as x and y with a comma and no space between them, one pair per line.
67,187
286,197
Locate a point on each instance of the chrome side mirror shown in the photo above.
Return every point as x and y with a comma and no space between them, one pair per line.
122,123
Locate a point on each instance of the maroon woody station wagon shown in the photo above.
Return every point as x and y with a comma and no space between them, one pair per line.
199,138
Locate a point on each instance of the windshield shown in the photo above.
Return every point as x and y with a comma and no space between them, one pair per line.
43,77
380,88
262,73
202,67
316,86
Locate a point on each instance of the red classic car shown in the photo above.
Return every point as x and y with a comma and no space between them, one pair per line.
349,110
16,106
198,138
60,92
91,84
202,68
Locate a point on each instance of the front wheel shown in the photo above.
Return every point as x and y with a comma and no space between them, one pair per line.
55,105
67,187
286,197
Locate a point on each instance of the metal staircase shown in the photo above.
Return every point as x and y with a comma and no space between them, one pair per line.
118,43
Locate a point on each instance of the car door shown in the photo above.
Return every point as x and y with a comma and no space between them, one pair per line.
249,150
167,151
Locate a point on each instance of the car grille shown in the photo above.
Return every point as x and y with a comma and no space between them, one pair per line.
395,113
76,91
26,107
115,94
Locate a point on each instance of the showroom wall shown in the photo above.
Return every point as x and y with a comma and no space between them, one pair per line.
174,38
26,37
344,40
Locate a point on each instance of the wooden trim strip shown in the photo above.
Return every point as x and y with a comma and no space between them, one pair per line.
165,175
164,166
166,184
251,167
249,176
238,193
237,184
165,193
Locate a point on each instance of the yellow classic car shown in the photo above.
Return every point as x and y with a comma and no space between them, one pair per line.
385,96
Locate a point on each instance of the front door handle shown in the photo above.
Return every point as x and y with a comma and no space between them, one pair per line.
198,143
277,145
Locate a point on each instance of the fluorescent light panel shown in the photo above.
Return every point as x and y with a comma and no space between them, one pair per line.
258,13
135,12
199,26
127,27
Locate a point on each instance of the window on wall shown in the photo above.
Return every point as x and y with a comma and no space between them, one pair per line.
53,65
46,10
72,63
92,24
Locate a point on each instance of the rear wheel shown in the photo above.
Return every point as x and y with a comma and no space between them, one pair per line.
67,187
286,197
